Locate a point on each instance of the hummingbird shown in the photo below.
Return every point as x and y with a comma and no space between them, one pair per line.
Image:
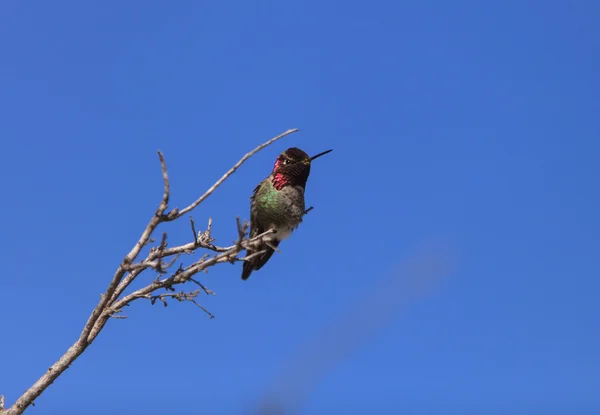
277,204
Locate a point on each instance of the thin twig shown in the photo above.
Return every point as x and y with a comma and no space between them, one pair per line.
210,315
252,255
194,231
181,297
171,262
209,226
206,290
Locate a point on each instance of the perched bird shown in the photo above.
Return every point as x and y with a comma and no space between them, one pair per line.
278,203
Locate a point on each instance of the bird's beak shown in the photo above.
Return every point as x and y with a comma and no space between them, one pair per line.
320,154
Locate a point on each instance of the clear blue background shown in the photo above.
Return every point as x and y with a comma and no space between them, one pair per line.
469,119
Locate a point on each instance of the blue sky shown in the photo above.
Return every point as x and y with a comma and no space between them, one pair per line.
472,122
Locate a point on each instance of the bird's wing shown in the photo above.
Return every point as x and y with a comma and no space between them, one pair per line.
255,229
257,262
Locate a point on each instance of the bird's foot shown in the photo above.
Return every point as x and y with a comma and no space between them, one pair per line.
308,210
273,247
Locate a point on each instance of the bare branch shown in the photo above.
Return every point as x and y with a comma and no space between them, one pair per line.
182,276
113,300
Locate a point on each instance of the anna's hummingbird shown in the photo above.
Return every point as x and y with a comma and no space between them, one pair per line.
278,203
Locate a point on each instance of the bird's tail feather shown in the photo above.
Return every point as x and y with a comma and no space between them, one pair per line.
247,268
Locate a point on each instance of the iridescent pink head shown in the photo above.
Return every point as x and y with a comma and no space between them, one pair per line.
294,155
292,167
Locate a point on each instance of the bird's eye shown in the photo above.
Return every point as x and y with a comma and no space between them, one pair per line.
286,161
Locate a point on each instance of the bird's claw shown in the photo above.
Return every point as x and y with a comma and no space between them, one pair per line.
274,248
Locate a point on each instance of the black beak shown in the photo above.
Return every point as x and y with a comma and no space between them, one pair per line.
320,154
